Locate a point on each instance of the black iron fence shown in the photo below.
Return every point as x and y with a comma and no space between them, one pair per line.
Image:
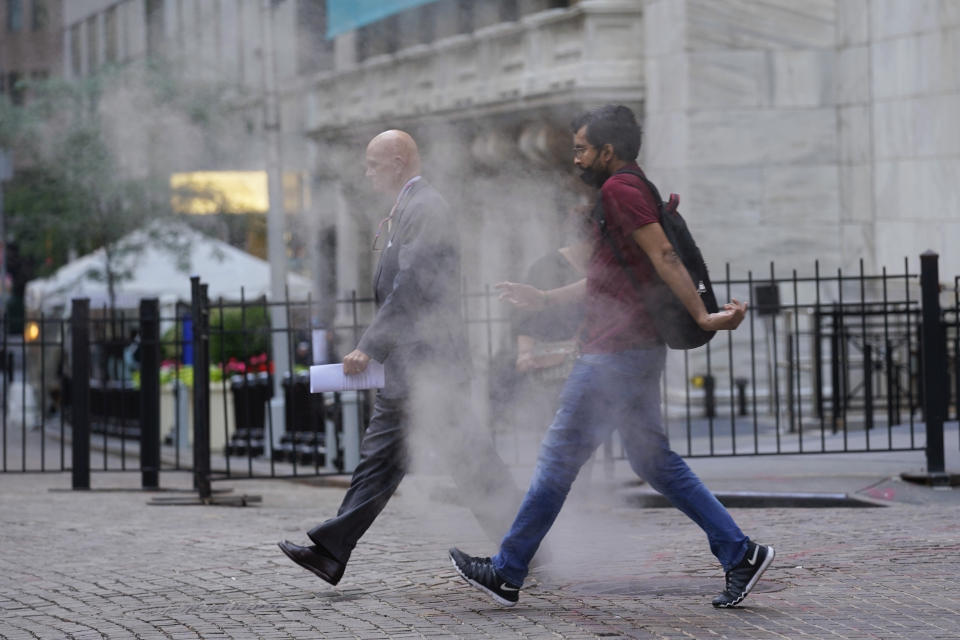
837,363
823,363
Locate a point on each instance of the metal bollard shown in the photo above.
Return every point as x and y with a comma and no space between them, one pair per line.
741,396
201,388
150,393
80,397
709,397
934,349
868,386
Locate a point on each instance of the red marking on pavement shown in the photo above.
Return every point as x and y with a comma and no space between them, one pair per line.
882,494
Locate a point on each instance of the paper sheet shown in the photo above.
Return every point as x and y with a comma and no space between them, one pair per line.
330,377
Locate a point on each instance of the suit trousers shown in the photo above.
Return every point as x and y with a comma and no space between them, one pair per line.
484,482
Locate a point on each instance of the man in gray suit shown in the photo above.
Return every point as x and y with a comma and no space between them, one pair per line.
419,335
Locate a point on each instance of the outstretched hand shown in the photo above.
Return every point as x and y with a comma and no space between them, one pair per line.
522,296
727,319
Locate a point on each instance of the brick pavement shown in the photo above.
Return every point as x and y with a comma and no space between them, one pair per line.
105,564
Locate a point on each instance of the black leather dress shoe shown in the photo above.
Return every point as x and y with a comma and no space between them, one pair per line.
315,560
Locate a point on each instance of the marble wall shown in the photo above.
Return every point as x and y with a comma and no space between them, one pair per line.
913,53
825,129
741,122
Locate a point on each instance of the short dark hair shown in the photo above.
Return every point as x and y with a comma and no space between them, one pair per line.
612,124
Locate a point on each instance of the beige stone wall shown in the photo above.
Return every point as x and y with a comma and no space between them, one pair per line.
741,122
798,131
914,74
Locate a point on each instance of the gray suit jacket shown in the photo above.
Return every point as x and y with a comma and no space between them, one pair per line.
418,329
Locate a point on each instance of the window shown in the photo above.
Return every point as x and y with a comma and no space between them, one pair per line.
76,51
110,49
314,50
217,20
40,15
464,16
377,38
365,42
509,10
93,44
14,15
155,27
533,6
428,23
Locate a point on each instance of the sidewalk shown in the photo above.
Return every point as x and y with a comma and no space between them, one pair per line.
106,564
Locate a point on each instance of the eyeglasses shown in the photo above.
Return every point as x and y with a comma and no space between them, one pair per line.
579,150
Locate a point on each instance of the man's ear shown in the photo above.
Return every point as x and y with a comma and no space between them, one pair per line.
607,153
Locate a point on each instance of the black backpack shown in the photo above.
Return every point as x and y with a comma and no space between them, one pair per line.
673,322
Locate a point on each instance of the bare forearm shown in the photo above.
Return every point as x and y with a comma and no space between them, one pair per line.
568,294
674,274
529,298
671,270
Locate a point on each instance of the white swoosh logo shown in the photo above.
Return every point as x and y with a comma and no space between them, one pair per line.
756,551
505,587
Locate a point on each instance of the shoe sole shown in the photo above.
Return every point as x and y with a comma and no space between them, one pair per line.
493,594
753,581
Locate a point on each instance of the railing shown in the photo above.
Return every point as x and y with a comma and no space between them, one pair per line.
826,354
822,364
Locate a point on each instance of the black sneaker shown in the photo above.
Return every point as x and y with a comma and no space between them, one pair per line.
741,578
480,573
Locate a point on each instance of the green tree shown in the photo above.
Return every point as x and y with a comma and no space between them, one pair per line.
96,165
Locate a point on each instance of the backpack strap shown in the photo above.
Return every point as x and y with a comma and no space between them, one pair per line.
650,185
599,217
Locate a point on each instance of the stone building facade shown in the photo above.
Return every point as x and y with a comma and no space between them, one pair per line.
30,46
821,130
816,130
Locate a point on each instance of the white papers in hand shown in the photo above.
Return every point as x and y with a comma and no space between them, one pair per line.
330,377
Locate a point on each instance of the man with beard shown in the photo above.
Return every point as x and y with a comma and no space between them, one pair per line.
615,383
419,335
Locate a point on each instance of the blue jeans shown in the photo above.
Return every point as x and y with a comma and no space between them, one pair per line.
606,392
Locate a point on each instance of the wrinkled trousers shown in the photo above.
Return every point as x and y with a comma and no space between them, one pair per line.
484,482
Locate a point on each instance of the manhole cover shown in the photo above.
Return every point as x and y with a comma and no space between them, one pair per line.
662,586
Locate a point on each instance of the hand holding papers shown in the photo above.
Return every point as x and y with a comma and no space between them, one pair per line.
330,377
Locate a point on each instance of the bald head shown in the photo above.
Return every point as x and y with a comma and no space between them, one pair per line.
392,158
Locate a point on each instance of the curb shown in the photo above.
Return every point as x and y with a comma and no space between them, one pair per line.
762,500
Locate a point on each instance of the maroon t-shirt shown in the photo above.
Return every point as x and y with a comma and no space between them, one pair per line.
616,319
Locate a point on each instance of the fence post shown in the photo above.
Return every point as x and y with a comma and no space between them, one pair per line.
150,393
201,387
709,396
934,349
836,386
80,396
868,386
